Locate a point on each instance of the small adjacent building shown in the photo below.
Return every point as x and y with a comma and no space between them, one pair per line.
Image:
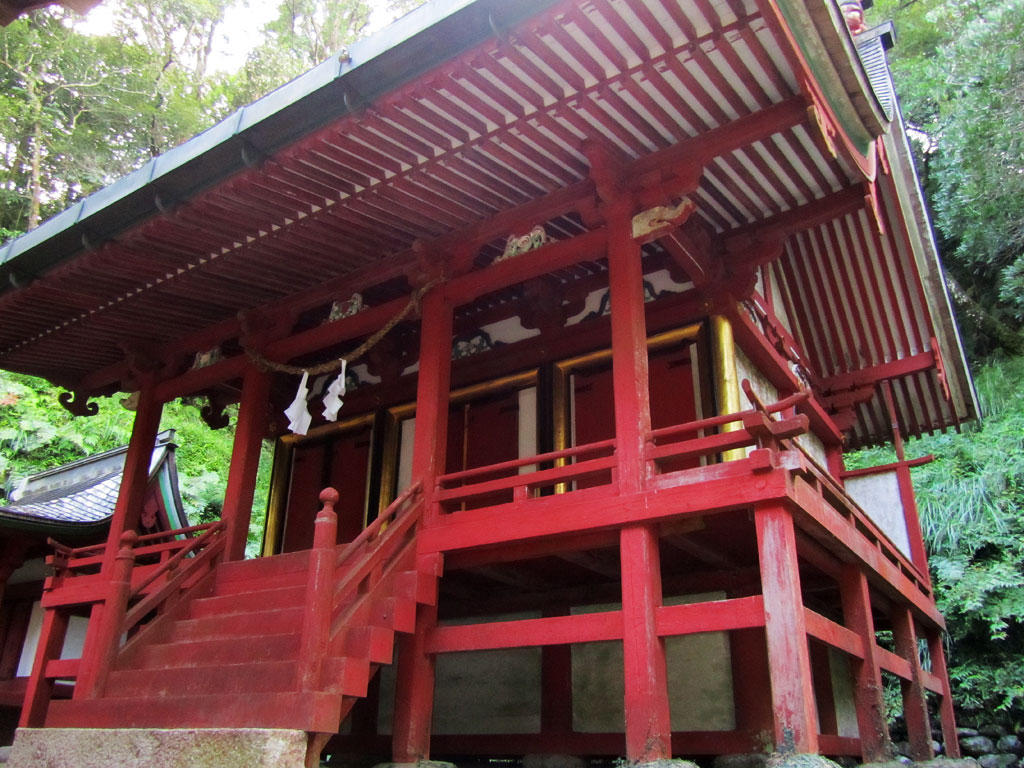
70,505
562,315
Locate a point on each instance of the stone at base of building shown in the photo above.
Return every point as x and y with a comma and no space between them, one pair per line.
667,763
799,760
741,760
158,748
553,761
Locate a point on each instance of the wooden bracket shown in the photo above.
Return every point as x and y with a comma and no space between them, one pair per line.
873,204
940,369
77,404
214,412
607,169
826,129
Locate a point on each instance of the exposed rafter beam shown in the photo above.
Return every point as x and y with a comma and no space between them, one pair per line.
923,361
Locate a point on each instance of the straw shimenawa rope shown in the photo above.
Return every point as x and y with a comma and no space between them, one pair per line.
335,365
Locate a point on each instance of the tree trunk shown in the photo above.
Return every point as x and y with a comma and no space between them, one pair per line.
35,186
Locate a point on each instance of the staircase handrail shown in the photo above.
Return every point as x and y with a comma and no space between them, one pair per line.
209,550
65,557
323,592
370,531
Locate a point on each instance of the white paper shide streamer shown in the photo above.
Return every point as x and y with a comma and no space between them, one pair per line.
298,414
332,400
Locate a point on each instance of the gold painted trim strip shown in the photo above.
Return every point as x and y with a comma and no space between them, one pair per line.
727,386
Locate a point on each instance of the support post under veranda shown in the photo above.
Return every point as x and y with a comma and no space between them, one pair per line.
414,687
785,630
868,694
648,723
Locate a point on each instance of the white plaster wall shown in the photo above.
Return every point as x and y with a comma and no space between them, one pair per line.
699,679
779,307
764,389
745,369
813,445
479,692
842,693
879,496
73,640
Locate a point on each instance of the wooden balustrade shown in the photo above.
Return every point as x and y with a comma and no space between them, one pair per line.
132,592
316,617
338,573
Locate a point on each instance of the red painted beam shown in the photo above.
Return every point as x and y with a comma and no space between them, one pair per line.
582,511
832,634
557,255
923,361
806,216
700,150
715,616
896,665
556,630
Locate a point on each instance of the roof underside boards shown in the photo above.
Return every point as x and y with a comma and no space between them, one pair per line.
489,130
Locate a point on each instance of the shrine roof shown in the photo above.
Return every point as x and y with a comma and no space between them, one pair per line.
80,496
465,112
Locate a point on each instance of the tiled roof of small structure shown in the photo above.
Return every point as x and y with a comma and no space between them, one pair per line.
83,492
88,501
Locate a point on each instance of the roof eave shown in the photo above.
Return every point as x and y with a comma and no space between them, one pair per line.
416,43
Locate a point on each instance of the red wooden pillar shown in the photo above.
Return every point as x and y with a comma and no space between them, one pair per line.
629,349
39,690
875,745
950,741
556,685
915,703
414,687
785,632
96,655
648,726
245,460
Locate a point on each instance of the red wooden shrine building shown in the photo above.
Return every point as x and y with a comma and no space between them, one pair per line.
646,268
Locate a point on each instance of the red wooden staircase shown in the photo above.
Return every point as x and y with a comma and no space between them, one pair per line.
283,642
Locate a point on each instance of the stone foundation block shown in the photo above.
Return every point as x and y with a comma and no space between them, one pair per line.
157,748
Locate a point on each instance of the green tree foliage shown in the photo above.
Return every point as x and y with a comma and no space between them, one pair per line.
60,95
971,503
78,111
959,70
305,33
